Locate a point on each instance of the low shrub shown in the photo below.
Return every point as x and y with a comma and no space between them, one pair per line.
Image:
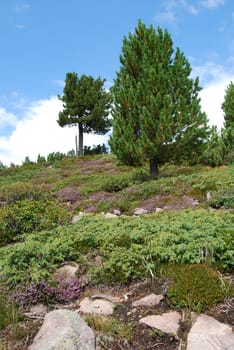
115,184
171,237
28,216
22,191
37,258
122,266
61,291
196,287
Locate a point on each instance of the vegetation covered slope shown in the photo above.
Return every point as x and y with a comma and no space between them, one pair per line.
38,202
187,235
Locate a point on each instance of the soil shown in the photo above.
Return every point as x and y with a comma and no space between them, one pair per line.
143,337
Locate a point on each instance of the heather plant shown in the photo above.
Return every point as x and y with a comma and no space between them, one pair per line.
48,292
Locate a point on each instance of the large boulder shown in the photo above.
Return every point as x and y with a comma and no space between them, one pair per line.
210,334
64,330
167,322
100,307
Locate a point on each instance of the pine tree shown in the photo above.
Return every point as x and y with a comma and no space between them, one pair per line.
228,106
86,104
228,131
156,113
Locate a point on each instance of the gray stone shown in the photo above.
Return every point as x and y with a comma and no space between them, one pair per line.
38,309
107,297
110,216
157,210
64,330
149,300
78,217
99,306
66,271
140,211
167,322
210,334
98,260
117,212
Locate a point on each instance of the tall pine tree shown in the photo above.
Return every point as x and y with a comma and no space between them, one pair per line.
86,104
156,112
228,131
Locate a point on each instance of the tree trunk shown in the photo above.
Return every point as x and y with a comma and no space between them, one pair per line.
76,143
81,139
154,171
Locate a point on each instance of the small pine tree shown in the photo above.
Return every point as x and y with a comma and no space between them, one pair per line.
86,104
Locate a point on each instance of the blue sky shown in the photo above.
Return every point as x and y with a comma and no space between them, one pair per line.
43,40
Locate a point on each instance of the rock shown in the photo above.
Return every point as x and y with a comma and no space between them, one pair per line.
140,211
38,309
167,322
101,307
209,334
116,212
64,330
77,217
110,215
65,272
208,196
157,210
98,260
107,297
149,300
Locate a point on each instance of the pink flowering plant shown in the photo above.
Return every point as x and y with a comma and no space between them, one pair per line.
61,291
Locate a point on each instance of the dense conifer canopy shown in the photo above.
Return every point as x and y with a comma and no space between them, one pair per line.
156,112
86,104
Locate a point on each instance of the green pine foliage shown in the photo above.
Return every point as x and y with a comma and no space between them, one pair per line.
228,106
156,114
215,151
228,132
86,104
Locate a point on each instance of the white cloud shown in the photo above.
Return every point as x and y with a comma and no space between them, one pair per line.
192,9
38,132
21,7
20,26
214,80
165,17
7,118
171,12
210,71
211,4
